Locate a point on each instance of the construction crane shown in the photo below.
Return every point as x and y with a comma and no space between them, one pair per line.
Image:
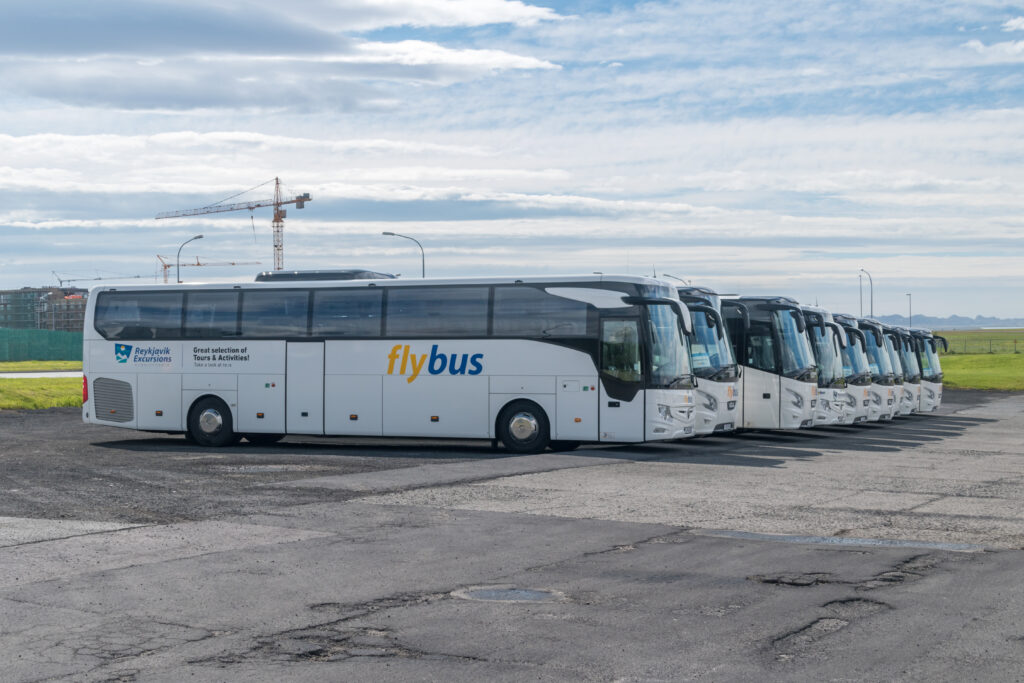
166,263
62,280
279,214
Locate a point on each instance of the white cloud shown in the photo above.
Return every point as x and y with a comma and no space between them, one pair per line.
368,15
417,52
1015,24
996,53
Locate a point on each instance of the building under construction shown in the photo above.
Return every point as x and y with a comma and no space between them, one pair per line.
43,308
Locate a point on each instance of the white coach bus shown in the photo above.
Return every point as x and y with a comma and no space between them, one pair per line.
931,367
835,403
779,384
527,361
713,362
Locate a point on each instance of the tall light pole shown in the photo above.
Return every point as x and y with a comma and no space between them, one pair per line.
860,288
177,259
423,256
910,310
872,285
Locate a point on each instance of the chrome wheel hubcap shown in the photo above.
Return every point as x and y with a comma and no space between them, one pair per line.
524,426
210,421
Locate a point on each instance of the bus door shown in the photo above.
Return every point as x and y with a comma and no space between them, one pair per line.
304,388
621,414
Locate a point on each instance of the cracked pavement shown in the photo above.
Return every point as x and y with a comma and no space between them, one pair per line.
813,556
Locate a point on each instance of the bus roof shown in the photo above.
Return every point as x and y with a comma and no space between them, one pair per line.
497,280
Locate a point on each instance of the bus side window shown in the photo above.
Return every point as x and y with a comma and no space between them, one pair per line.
347,312
275,313
139,315
620,350
211,315
521,311
437,311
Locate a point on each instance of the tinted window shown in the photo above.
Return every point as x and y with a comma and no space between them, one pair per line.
347,312
761,347
282,313
211,314
529,312
620,350
441,311
143,315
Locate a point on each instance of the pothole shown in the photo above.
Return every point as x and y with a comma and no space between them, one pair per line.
508,594
796,580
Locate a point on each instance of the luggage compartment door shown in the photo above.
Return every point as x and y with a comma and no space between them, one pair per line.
304,393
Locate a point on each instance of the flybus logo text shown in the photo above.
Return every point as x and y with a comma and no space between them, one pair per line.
403,360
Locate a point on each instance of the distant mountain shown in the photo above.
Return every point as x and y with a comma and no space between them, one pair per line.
953,322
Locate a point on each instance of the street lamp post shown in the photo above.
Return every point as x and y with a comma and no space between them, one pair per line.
423,256
860,288
871,283
177,259
910,310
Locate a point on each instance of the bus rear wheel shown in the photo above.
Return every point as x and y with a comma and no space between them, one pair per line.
210,424
523,427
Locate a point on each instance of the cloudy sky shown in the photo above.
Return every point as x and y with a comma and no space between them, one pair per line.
752,147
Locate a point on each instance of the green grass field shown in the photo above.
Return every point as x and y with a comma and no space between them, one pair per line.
32,394
41,366
984,371
984,341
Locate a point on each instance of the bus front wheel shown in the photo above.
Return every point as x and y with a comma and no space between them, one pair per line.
210,424
523,427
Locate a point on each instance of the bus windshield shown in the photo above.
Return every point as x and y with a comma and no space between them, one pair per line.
797,356
855,363
894,358
930,366
829,367
911,370
710,352
670,355
878,359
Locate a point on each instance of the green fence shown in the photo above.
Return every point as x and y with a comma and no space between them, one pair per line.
18,345
984,341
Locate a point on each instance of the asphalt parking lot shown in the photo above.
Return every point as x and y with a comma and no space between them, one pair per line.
877,552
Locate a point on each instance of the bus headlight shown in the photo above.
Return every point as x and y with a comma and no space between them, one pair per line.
731,405
876,398
796,399
851,401
665,411
931,394
710,402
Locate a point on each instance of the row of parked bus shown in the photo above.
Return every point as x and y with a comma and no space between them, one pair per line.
792,366
531,363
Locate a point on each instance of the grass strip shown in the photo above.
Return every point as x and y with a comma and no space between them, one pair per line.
34,394
41,366
1003,372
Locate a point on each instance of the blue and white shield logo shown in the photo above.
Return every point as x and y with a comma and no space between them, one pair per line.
122,352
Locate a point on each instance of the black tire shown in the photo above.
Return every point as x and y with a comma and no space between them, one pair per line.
210,423
523,427
564,445
263,439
